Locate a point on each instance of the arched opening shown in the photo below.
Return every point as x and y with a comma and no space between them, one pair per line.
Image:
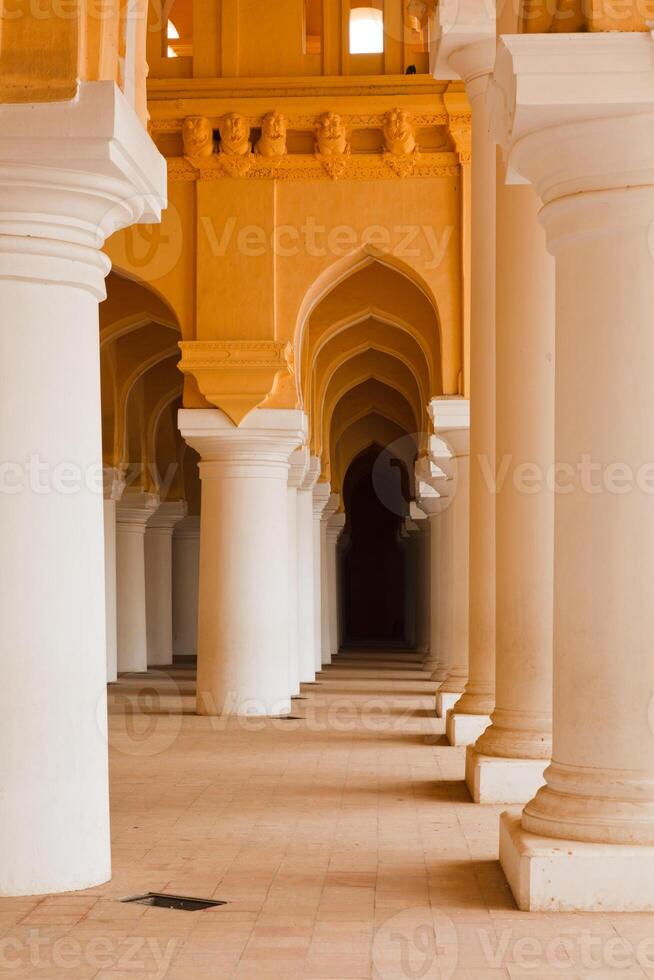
374,558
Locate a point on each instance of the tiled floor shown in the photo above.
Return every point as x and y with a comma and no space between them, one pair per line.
345,846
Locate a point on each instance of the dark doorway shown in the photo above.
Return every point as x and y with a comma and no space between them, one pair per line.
374,556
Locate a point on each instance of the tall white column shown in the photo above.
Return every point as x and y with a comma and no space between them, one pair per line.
466,50
335,527
306,576
186,586
243,656
132,515
159,581
321,498
423,583
297,472
326,585
449,453
410,534
57,205
114,486
506,764
575,115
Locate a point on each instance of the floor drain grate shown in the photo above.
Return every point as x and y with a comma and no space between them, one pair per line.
160,901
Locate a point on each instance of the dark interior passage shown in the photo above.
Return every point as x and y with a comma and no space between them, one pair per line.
374,576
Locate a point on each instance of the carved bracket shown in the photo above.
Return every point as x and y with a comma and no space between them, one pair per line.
237,375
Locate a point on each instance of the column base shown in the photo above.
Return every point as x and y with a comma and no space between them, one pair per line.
465,729
493,779
445,701
547,874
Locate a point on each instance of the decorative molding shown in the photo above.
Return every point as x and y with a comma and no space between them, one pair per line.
238,375
370,166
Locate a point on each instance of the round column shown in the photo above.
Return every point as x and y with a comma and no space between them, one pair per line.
507,762
592,825
297,473
132,516
56,207
113,489
326,584
306,575
474,64
243,655
334,530
159,582
186,579
321,495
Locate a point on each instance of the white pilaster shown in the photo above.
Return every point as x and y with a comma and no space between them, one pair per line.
71,173
186,586
159,581
132,515
575,117
243,655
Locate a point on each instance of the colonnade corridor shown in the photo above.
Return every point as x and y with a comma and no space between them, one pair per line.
333,838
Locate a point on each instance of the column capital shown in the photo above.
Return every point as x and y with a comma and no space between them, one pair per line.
322,493
332,505
188,527
312,473
265,438
113,482
464,45
167,515
451,421
299,464
575,113
135,509
335,526
71,174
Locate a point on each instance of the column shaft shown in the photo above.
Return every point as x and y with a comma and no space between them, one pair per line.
132,515
507,763
186,578
243,655
57,205
159,582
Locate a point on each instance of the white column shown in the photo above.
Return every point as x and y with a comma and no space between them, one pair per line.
159,581
423,582
506,764
57,205
335,527
449,454
132,515
409,533
114,486
575,115
186,586
326,580
466,50
321,498
297,472
243,656
306,597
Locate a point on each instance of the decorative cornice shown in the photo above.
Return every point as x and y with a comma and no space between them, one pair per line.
309,167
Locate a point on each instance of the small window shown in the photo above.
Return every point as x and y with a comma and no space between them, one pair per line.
366,31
